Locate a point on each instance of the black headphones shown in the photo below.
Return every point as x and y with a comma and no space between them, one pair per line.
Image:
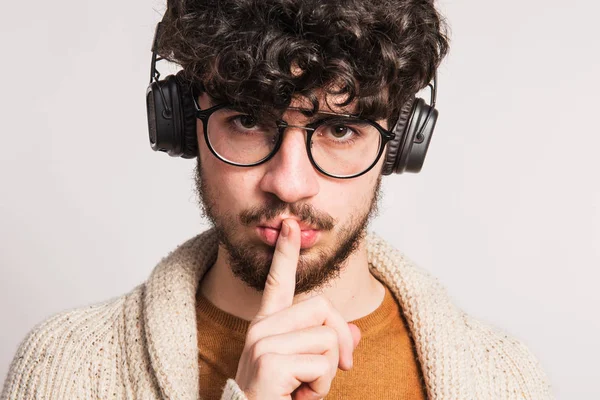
172,122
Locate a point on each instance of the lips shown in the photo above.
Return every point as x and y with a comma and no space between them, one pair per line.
269,234
276,224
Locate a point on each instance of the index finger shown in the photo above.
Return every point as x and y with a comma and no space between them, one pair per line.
281,281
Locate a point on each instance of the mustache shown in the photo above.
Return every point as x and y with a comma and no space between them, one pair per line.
304,212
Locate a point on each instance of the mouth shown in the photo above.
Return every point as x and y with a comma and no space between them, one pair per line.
269,233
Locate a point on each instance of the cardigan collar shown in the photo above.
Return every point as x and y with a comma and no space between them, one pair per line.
171,331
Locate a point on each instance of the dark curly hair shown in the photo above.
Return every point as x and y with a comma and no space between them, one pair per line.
258,54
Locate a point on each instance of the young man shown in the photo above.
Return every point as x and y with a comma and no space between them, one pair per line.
295,109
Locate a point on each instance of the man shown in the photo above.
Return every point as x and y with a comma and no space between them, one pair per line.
295,109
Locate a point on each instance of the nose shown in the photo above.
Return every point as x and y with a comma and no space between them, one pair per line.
290,175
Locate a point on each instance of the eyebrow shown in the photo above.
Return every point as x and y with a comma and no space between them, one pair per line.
323,112
317,117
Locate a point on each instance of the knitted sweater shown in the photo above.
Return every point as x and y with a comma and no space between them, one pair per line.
143,345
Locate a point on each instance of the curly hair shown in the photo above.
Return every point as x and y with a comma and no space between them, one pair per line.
258,54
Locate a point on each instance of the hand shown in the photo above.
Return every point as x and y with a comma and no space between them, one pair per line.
293,350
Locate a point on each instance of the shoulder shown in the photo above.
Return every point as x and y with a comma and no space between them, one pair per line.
458,352
69,354
516,371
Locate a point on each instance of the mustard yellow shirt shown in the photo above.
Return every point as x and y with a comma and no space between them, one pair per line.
385,362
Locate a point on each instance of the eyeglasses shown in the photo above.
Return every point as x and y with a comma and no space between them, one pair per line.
338,145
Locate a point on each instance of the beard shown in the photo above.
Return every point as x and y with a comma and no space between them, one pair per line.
251,261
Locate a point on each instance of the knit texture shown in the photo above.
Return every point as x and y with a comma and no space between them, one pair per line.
143,345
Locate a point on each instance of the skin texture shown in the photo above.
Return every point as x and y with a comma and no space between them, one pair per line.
250,260
293,350
297,338
237,199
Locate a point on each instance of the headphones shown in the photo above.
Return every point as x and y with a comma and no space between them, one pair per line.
172,121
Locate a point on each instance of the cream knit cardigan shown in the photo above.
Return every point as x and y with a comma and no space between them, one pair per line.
143,345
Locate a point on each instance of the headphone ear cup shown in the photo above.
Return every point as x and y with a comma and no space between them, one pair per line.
411,148
190,137
171,117
419,133
163,121
394,146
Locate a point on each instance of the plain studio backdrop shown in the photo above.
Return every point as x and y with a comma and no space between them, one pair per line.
505,211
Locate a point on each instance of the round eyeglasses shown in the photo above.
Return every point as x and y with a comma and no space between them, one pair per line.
338,145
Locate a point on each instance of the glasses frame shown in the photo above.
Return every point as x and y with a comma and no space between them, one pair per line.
282,125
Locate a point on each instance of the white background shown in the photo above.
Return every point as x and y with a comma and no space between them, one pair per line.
505,212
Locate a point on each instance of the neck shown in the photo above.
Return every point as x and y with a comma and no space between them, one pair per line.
354,293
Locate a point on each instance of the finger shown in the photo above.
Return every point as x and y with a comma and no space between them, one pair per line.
304,392
312,369
313,340
314,311
281,281
356,334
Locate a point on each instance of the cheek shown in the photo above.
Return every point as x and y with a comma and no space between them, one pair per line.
232,188
343,199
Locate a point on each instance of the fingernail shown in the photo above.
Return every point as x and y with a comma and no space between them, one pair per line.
285,229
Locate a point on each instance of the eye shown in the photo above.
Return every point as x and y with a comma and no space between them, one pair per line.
246,121
340,131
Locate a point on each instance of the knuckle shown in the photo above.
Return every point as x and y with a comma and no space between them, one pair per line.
330,337
254,334
273,279
257,350
264,363
250,338
324,366
323,389
320,364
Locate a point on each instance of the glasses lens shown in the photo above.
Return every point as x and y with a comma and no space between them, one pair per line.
345,147
239,138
